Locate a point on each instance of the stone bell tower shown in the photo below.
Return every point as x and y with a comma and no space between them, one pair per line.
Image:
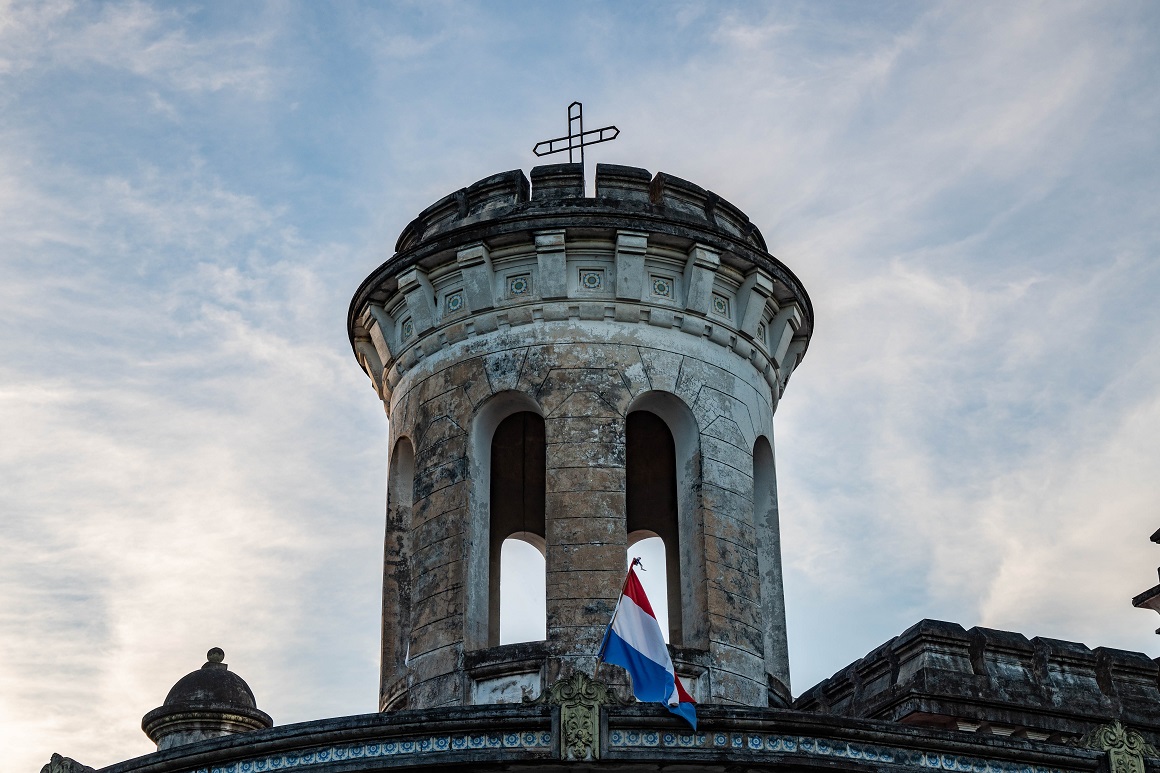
580,373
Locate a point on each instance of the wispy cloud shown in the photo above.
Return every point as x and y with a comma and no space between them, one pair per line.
188,195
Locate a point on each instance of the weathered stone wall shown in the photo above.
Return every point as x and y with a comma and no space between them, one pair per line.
994,682
580,317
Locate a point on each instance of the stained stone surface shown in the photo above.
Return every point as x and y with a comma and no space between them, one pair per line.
534,298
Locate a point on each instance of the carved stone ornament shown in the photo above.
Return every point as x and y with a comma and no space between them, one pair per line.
579,698
1126,748
59,764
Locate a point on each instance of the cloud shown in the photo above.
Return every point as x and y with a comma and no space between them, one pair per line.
131,38
187,198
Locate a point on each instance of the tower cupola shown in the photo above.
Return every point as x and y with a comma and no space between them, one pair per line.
579,373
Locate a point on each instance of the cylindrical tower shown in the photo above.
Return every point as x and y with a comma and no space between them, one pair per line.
580,372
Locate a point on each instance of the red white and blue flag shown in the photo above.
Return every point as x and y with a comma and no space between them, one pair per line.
634,642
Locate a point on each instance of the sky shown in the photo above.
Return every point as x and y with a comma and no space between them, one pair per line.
190,194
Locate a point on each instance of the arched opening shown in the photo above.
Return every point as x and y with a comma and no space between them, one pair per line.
650,549
651,507
765,518
397,570
523,604
516,506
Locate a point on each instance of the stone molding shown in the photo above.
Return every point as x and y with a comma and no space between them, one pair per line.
985,680
633,737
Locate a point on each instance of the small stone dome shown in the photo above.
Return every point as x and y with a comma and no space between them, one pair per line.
212,684
206,703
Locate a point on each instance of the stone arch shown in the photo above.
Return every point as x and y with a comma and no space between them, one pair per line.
765,519
667,420
516,421
396,632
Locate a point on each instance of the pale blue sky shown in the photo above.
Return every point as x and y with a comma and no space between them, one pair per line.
190,194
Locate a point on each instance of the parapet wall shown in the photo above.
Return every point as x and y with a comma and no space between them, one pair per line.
999,682
631,187
502,253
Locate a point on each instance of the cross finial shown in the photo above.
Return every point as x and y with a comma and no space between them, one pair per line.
577,139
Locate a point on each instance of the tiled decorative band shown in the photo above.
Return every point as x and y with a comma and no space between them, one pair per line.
819,747
531,740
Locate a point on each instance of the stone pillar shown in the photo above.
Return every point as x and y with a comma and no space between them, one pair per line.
584,515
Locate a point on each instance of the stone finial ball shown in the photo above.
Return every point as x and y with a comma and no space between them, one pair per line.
215,655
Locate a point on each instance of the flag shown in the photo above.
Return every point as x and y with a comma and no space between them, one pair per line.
634,642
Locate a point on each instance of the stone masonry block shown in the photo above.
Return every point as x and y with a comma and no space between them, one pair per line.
437,634
430,480
430,533
435,661
630,274
557,181
454,447
569,558
583,403
722,557
713,447
445,500
729,526
634,377
572,479
584,429
731,689
599,584
552,260
503,368
746,611
437,431
583,619
662,368
755,293
427,584
700,270
437,606
727,477
726,429
744,587
586,454
535,369
478,278
735,634
420,298
433,386
570,530
437,691
442,551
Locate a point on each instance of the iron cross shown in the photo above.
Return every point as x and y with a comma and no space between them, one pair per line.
577,138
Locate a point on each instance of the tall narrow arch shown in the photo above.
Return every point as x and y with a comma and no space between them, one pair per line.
506,465
663,487
516,501
765,518
396,570
650,473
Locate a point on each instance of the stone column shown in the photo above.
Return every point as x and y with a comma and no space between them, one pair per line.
586,537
